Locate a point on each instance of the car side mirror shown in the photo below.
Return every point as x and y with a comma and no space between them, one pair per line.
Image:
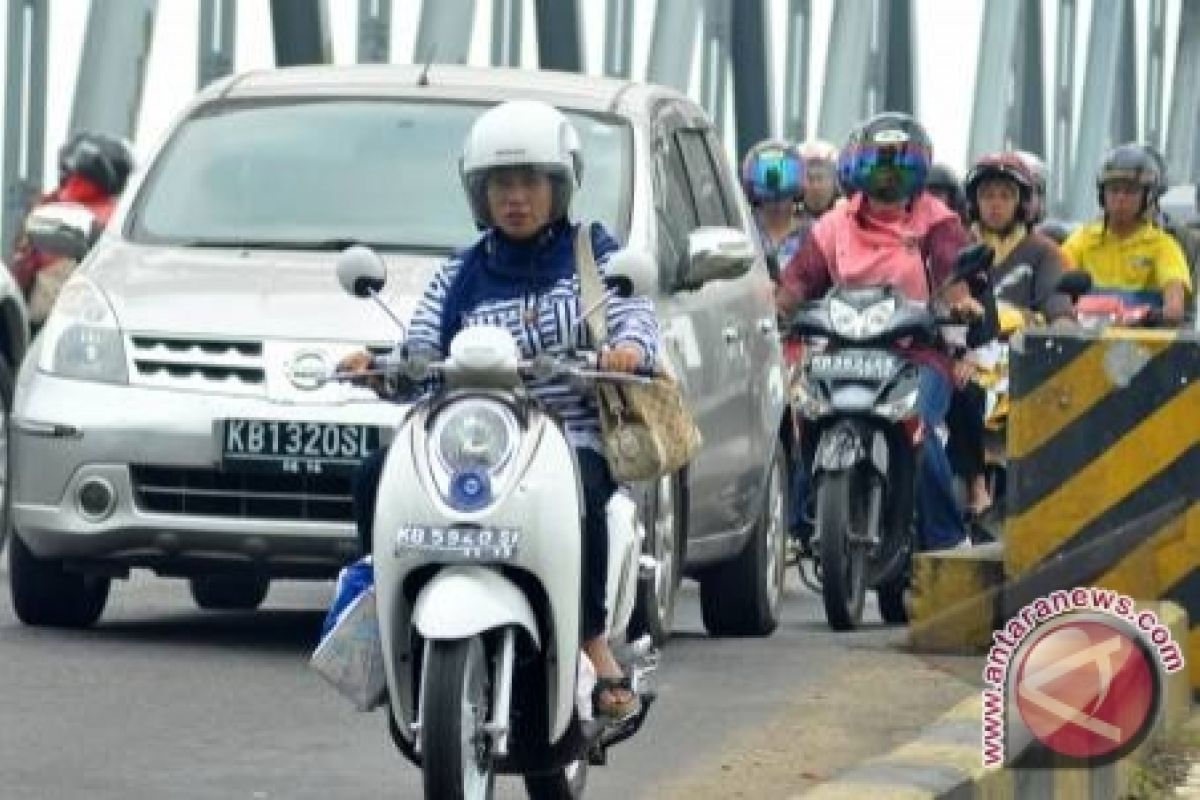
716,254
63,229
361,271
631,271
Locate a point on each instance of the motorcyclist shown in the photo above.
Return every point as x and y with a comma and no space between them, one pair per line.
1187,237
773,179
92,171
1036,213
943,184
1000,197
520,167
889,232
820,180
1126,254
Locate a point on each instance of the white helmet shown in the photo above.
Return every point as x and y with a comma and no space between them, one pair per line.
521,133
818,150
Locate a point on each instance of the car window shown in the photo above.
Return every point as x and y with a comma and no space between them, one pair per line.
378,171
673,205
702,178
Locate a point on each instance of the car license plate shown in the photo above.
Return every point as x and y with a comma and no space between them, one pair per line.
858,365
459,542
312,448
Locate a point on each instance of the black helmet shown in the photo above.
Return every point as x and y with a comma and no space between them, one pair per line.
889,143
1129,162
1160,163
105,160
942,178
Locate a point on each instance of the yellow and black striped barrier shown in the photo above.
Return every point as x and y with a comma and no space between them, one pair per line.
1104,430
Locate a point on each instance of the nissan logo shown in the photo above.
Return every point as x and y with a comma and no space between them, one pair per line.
308,370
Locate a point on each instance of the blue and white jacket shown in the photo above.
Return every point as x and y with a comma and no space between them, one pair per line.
532,289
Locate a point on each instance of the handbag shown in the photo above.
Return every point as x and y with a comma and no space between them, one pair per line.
647,428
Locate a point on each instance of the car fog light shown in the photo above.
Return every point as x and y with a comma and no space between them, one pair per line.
97,499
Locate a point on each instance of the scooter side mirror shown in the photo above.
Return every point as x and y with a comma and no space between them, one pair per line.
1074,283
360,271
629,271
67,230
972,261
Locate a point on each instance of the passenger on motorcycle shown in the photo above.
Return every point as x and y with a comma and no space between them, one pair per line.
887,233
520,167
820,180
92,171
1000,196
1036,212
1126,254
1187,237
943,184
773,179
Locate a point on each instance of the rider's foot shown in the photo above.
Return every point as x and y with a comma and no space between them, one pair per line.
613,696
980,500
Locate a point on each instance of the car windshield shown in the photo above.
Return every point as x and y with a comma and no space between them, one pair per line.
323,174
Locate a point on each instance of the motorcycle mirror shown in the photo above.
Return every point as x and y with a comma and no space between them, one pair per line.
972,261
630,270
361,271
67,230
1074,283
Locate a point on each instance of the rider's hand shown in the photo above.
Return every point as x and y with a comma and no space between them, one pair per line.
967,309
964,371
626,357
358,363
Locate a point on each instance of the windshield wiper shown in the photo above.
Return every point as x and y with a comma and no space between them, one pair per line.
322,246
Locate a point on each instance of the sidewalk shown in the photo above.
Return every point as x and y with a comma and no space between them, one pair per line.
886,701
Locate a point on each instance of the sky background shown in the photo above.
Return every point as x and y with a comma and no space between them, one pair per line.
947,41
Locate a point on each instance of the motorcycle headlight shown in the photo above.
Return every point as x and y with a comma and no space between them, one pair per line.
475,435
81,338
852,324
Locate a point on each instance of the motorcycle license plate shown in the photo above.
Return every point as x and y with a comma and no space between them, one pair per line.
312,448
857,365
459,542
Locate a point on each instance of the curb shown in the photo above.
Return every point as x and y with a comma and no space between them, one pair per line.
945,761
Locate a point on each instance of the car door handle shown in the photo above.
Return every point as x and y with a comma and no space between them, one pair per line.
732,334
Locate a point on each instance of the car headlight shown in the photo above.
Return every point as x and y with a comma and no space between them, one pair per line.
474,435
81,338
850,323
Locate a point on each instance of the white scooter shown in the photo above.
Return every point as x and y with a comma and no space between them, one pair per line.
478,564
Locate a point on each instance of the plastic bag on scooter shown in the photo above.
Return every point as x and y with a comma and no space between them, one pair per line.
350,653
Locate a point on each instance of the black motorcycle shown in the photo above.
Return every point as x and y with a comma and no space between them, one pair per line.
857,398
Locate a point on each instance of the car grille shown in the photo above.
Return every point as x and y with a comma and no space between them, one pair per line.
226,365
211,492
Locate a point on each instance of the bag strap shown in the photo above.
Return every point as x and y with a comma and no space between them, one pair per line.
592,296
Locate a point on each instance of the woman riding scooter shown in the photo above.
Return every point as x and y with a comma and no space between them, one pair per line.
1000,196
521,165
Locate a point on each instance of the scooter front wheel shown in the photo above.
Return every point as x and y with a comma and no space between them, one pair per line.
455,747
841,528
566,783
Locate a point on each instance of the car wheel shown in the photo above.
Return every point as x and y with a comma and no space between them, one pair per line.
44,593
229,592
743,597
7,387
654,613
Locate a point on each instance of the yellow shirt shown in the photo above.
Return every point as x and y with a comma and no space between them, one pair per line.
1144,261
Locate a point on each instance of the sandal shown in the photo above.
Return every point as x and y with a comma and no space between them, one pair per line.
612,707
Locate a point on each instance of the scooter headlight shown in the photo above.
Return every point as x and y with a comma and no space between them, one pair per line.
850,323
473,436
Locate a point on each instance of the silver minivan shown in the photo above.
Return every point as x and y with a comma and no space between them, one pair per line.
170,415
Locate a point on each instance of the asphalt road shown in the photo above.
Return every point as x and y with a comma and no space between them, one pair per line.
162,700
